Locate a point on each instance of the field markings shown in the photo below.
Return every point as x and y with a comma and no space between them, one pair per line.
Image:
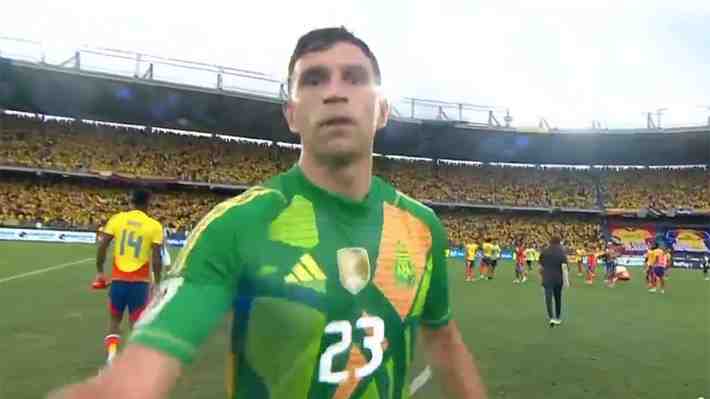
45,270
419,381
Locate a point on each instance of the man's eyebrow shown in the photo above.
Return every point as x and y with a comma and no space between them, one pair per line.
315,70
322,69
355,68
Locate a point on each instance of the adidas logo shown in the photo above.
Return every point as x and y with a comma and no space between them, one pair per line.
304,271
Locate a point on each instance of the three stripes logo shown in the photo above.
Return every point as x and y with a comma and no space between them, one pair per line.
306,270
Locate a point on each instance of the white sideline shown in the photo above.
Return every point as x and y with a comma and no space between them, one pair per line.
47,269
420,380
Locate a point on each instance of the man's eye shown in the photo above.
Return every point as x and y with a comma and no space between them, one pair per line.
355,78
312,80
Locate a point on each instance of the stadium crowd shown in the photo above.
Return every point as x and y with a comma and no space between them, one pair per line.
88,205
509,230
80,146
660,188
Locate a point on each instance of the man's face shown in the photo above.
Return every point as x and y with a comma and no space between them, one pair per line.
335,104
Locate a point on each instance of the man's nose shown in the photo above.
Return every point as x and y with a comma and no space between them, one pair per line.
335,92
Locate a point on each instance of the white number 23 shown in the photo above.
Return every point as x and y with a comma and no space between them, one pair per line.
373,343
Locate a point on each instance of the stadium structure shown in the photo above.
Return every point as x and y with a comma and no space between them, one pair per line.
528,175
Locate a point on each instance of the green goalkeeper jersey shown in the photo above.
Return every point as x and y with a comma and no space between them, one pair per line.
326,292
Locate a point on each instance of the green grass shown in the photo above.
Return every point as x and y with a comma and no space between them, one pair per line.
614,343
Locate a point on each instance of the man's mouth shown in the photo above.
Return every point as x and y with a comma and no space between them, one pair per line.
337,121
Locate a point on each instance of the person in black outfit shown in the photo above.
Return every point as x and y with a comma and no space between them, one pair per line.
552,262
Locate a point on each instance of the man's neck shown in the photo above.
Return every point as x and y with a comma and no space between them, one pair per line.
351,180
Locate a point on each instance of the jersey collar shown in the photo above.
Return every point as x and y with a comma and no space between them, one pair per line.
369,200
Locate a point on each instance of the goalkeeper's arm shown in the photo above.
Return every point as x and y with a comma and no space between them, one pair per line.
137,373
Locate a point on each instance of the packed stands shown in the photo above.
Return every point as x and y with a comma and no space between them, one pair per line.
87,147
661,188
78,146
87,205
465,226
487,184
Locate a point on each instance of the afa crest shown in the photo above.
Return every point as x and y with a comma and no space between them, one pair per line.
403,267
354,269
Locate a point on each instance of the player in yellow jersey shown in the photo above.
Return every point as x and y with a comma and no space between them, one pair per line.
579,258
486,262
530,256
494,261
139,240
471,250
654,265
660,271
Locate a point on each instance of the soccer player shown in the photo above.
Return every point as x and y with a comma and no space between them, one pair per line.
705,263
319,318
656,265
519,264
530,256
471,250
663,259
592,259
486,264
139,240
648,269
610,255
494,261
579,257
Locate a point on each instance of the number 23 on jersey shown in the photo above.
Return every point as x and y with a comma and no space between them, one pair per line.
372,342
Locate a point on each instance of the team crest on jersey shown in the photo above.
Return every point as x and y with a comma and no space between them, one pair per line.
354,269
403,268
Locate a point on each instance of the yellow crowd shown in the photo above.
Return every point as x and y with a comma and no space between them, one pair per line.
89,204
661,188
510,230
80,146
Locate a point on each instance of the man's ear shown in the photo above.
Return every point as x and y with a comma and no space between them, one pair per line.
288,111
384,115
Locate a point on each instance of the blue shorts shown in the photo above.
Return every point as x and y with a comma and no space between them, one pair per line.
610,267
659,271
128,294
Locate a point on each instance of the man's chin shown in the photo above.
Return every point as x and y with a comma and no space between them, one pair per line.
339,155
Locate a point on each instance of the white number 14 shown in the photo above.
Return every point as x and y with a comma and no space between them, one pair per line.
373,343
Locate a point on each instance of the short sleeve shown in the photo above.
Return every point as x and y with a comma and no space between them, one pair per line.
158,235
110,227
437,310
197,293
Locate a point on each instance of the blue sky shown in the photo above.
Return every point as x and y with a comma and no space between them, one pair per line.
601,60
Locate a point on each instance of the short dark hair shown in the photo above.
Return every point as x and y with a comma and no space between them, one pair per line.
325,38
140,197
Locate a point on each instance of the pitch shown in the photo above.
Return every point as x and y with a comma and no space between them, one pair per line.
614,343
